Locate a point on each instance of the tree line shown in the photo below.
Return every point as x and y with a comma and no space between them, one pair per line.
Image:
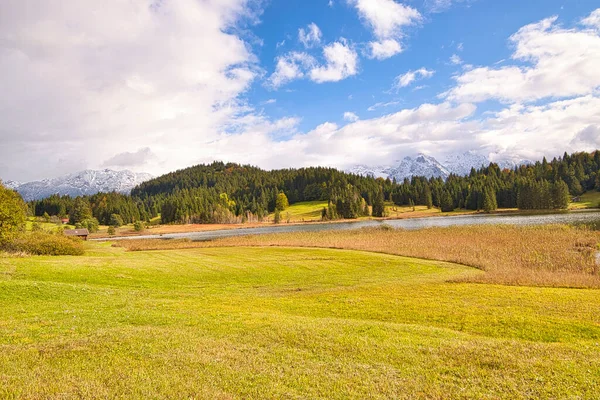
227,192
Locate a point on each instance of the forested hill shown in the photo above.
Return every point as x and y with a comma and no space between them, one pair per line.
222,193
239,181
211,191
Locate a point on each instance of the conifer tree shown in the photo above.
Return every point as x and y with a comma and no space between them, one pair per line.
81,211
560,195
379,204
447,202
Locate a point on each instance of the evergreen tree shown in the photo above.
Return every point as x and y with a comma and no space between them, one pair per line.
379,204
277,217
428,197
560,195
116,220
81,211
489,200
447,203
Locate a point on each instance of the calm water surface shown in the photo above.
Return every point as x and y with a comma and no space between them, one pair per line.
582,217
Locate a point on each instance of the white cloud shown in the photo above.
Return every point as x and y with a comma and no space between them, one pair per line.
341,62
82,78
131,159
270,101
455,60
383,105
437,6
406,79
387,19
311,36
350,116
593,19
589,137
384,49
562,63
534,131
290,67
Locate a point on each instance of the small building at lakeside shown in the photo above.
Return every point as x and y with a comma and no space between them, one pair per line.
80,233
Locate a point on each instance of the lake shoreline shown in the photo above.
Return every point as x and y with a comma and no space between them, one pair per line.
223,230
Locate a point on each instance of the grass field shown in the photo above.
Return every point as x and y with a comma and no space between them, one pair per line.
552,255
310,211
302,212
46,226
588,200
286,323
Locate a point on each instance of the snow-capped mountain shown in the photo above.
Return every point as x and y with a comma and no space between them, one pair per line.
424,165
421,165
375,172
461,164
82,183
11,184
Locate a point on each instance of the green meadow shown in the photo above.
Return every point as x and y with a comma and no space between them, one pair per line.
302,212
221,323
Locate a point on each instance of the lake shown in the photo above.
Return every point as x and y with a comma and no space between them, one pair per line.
579,217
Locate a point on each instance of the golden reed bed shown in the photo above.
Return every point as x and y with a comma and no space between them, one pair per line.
554,255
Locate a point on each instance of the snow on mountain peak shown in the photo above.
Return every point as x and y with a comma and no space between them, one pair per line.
86,182
425,165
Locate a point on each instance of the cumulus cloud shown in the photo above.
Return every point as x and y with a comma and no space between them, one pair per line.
350,116
311,36
406,79
384,49
341,62
386,19
290,66
455,59
83,77
131,159
534,131
588,137
562,63
593,19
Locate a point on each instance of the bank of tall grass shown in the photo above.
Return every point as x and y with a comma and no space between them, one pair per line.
555,255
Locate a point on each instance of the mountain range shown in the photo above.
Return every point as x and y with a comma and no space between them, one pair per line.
424,165
86,182
89,182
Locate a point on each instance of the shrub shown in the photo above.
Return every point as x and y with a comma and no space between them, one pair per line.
12,215
91,224
116,220
277,217
138,226
111,231
47,244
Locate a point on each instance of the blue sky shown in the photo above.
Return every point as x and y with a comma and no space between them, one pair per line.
476,31
156,85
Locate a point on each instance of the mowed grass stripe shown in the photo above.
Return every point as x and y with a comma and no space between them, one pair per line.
285,322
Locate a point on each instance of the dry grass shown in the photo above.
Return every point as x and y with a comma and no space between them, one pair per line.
554,255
